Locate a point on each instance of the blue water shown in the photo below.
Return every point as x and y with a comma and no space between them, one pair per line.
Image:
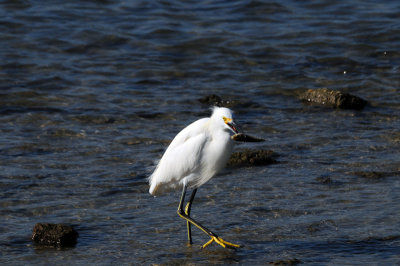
92,92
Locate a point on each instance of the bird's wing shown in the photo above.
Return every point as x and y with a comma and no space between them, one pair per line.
188,132
182,158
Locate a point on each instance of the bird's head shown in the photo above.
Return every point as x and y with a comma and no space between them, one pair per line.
231,125
225,117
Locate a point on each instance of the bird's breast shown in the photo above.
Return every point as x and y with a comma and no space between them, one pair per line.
218,152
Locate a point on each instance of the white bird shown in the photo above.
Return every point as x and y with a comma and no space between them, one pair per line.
194,156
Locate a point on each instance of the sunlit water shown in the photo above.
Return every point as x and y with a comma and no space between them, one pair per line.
91,93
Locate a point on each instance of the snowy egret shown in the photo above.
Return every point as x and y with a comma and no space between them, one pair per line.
194,156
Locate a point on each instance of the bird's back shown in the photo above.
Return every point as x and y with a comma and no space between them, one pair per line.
180,159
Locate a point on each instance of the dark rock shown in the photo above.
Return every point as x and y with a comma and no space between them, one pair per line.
322,225
245,138
55,235
324,180
288,262
382,238
97,119
211,99
373,175
249,157
216,100
336,99
328,181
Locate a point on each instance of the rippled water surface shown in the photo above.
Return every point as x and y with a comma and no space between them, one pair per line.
92,92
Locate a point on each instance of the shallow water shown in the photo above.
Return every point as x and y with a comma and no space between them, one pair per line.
91,93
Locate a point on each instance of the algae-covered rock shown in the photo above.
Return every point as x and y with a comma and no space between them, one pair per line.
55,235
212,99
248,157
336,99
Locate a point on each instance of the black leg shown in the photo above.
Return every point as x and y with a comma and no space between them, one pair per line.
185,215
182,214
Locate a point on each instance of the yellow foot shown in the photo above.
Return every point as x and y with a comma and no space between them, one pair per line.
222,242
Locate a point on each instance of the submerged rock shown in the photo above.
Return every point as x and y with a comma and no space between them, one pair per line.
336,99
322,225
212,99
249,157
374,175
216,100
55,235
324,180
288,262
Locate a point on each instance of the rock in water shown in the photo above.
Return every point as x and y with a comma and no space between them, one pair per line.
247,157
212,99
55,235
333,98
245,138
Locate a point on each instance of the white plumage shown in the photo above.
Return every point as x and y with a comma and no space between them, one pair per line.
196,154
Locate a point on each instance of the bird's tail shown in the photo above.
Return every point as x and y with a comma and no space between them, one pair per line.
153,189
